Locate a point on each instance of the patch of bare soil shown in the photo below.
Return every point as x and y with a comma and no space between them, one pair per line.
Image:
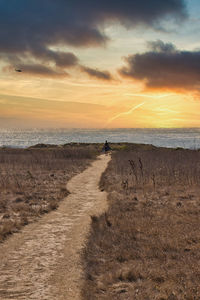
43,260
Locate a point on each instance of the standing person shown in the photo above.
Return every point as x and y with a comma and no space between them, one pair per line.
106,147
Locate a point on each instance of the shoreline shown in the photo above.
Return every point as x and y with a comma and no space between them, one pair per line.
114,145
184,138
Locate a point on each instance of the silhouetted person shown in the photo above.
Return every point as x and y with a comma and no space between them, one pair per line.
106,147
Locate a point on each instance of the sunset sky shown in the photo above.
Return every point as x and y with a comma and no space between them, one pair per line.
99,64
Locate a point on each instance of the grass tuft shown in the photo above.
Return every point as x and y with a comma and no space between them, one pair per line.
33,181
152,248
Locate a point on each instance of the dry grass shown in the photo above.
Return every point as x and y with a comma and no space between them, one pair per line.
33,181
147,245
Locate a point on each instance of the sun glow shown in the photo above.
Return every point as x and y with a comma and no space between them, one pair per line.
87,103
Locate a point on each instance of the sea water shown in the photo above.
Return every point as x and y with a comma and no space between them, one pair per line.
184,137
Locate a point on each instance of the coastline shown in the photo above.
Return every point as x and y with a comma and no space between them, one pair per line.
166,137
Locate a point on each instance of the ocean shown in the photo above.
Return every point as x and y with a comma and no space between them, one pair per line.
184,137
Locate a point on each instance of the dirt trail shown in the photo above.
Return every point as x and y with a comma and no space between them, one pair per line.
43,260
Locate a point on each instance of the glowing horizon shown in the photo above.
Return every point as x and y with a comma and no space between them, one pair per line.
140,77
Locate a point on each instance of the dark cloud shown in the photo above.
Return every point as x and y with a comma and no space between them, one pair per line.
105,75
61,59
160,46
164,66
38,69
33,28
26,24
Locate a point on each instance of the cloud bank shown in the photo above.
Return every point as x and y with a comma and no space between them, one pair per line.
104,75
164,66
42,70
32,29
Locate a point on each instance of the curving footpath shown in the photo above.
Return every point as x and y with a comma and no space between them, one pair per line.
43,261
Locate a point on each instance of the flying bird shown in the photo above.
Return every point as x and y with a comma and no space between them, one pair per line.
18,70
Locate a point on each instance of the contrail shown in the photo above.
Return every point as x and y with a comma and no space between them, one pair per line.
150,96
125,113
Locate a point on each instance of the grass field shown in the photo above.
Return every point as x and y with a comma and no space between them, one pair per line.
147,245
33,181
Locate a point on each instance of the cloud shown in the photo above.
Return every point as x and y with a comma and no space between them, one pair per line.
160,46
61,59
40,70
164,66
104,75
31,29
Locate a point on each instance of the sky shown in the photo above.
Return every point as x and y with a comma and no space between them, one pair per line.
99,64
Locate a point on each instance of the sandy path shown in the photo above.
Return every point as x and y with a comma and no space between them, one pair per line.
43,261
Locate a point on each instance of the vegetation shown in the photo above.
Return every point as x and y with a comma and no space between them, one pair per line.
33,181
147,245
